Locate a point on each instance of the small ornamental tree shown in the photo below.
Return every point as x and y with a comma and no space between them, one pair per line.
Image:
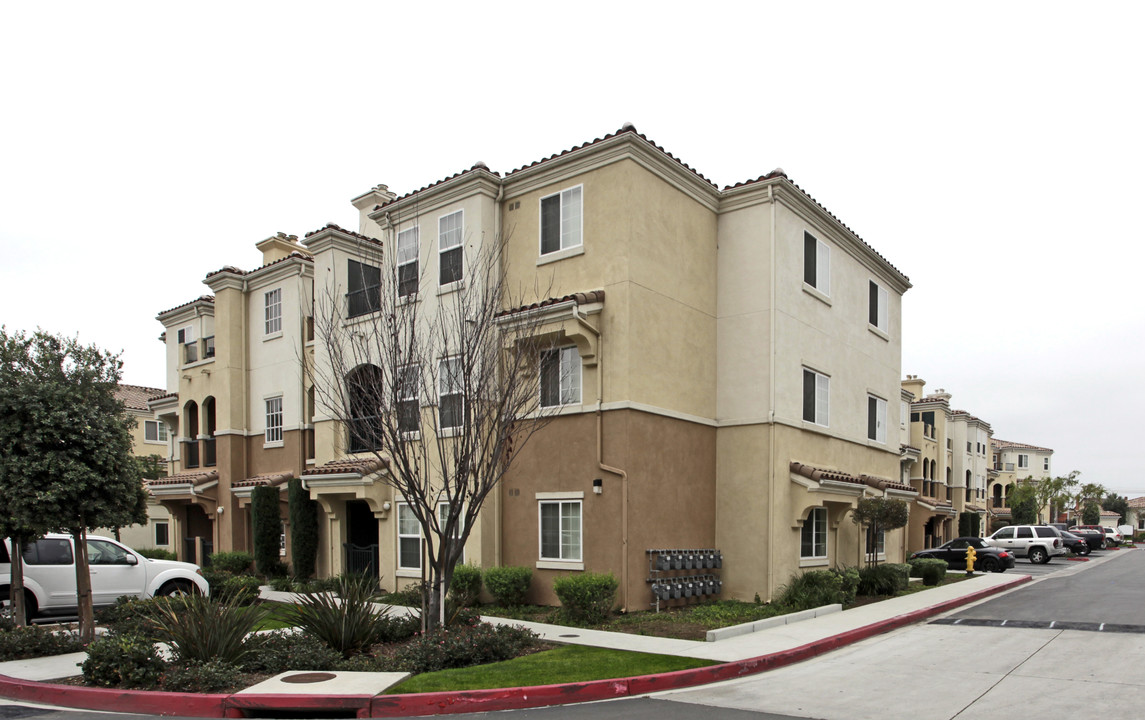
303,530
969,524
267,526
65,450
1024,504
1091,513
879,515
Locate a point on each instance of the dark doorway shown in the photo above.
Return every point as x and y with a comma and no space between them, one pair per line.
361,538
198,542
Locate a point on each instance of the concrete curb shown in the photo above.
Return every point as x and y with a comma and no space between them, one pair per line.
147,702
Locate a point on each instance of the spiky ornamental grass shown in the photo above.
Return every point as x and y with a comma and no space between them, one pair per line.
201,629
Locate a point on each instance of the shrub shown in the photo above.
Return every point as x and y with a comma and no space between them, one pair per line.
508,585
463,646
234,563
931,570
19,643
157,554
883,579
817,588
266,525
129,616
303,529
348,623
209,676
465,586
203,629
282,584
587,597
124,661
238,590
283,651
409,596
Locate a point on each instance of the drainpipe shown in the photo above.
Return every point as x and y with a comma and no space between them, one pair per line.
500,541
772,478
600,457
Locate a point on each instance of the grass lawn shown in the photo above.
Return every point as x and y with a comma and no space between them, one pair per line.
568,663
276,618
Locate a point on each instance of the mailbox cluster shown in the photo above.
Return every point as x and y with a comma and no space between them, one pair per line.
679,586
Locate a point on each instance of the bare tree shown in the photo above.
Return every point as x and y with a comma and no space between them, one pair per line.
441,387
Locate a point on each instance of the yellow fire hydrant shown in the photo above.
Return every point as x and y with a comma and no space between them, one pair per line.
971,556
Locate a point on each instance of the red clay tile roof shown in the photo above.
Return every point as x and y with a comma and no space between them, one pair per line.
187,478
163,397
476,167
332,226
1137,502
235,271
266,479
136,396
201,298
583,298
819,474
1006,444
363,466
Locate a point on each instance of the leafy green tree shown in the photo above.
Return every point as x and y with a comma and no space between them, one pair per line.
1055,493
969,524
1024,504
879,515
65,448
1091,513
1118,504
267,522
303,530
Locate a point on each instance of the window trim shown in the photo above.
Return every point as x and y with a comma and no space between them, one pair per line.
457,247
822,252
1023,461
460,391
155,532
271,438
415,260
826,400
574,370
878,305
272,313
561,246
813,517
161,435
880,419
560,561
365,290
412,386
406,536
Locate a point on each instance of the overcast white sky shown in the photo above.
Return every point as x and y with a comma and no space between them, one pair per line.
991,151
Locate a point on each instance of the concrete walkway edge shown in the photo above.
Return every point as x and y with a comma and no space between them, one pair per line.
223,705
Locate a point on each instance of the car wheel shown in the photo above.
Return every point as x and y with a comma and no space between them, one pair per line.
176,587
1083,551
1039,555
30,606
991,565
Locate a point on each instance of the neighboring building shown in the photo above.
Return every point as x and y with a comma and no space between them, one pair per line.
1136,515
1015,462
733,359
148,439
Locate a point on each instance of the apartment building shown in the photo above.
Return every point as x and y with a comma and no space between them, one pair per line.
1016,462
149,438
729,360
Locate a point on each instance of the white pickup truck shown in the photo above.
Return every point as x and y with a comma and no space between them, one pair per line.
50,574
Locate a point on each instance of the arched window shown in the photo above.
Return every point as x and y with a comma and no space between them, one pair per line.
191,442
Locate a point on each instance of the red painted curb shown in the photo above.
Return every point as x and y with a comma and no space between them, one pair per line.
446,703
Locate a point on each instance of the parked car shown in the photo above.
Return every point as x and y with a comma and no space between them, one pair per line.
1111,536
50,574
1039,543
1095,539
989,559
1075,543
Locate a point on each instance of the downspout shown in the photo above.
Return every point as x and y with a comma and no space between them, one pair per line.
499,541
600,457
772,479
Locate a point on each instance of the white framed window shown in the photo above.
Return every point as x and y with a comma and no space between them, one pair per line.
449,232
272,300
877,313
450,394
274,420
560,530
190,347
816,264
1046,464
409,539
816,391
561,220
1023,461
813,536
904,413
363,288
442,519
560,377
876,419
876,543
155,431
409,407
407,262
161,533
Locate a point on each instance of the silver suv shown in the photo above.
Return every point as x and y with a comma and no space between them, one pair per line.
1039,543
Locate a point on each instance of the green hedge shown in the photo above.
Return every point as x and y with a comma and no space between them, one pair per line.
465,585
817,588
235,562
885,579
931,570
508,585
587,597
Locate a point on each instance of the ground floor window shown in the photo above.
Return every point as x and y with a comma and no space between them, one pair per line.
162,533
813,537
409,539
876,543
561,530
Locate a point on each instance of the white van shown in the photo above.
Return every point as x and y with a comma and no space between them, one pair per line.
50,574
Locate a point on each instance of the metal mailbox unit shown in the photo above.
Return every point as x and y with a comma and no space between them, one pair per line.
678,586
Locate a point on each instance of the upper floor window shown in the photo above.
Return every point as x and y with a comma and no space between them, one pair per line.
208,347
273,304
409,408
274,419
813,536
190,347
816,388
407,262
561,220
1023,461
876,419
364,283
816,264
560,377
1046,464
904,413
877,311
449,231
154,431
450,394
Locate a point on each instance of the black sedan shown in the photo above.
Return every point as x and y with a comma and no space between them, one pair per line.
1075,543
989,559
1093,537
